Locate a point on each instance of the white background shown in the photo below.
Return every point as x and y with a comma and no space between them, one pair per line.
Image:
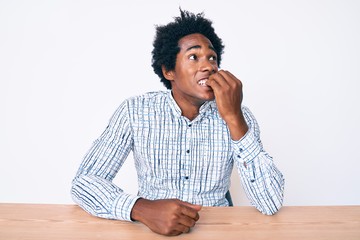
66,65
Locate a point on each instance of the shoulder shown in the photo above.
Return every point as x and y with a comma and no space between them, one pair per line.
146,101
148,97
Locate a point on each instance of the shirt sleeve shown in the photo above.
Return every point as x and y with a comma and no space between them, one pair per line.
92,188
262,180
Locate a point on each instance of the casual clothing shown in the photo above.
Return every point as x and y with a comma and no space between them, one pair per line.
174,158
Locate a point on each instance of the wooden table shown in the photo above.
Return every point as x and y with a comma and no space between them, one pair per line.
39,221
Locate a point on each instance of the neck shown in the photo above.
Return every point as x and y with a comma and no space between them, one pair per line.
189,109
191,115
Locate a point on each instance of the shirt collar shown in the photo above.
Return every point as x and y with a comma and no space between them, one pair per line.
207,107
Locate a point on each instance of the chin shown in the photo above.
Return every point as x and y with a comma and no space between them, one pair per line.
208,97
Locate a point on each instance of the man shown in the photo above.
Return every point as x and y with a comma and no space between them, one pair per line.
185,140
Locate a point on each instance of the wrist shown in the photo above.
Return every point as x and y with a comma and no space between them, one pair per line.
237,126
138,209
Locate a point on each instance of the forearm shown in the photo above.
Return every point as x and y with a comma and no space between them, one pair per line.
92,187
102,198
237,126
262,181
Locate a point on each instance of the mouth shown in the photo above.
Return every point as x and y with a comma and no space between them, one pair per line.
202,82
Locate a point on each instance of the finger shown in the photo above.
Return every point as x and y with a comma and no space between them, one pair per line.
229,77
191,213
182,229
187,221
213,83
183,225
174,233
186,230
217,79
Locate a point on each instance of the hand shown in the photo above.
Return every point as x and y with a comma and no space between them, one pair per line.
167,217
228,95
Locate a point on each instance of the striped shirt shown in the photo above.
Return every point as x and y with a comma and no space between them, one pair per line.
174,158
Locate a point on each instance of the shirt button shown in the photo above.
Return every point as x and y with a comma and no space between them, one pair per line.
189,125
187,151
186,178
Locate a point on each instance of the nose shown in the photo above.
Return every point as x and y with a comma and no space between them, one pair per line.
208,65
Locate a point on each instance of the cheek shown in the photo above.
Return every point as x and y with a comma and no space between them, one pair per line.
185,71
187,75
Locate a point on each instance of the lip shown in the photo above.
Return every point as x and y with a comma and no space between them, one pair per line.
203,79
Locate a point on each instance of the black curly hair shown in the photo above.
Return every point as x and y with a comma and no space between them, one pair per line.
167,37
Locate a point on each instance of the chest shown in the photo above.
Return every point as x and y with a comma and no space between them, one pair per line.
161,140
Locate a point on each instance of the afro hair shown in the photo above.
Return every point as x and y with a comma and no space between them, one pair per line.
166,42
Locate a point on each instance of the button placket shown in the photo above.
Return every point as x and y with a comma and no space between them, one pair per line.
187,160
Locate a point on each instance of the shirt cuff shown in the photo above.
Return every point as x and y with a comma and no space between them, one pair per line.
124,206
247,148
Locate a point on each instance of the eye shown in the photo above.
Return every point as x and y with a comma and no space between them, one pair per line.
212,58
193,57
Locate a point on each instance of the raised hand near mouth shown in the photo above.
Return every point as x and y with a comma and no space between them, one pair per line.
228,95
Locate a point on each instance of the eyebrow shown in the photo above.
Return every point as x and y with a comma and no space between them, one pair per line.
198,46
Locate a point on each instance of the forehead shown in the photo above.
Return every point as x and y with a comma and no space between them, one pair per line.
195,39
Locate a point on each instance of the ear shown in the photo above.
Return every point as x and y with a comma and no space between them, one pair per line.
168,74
